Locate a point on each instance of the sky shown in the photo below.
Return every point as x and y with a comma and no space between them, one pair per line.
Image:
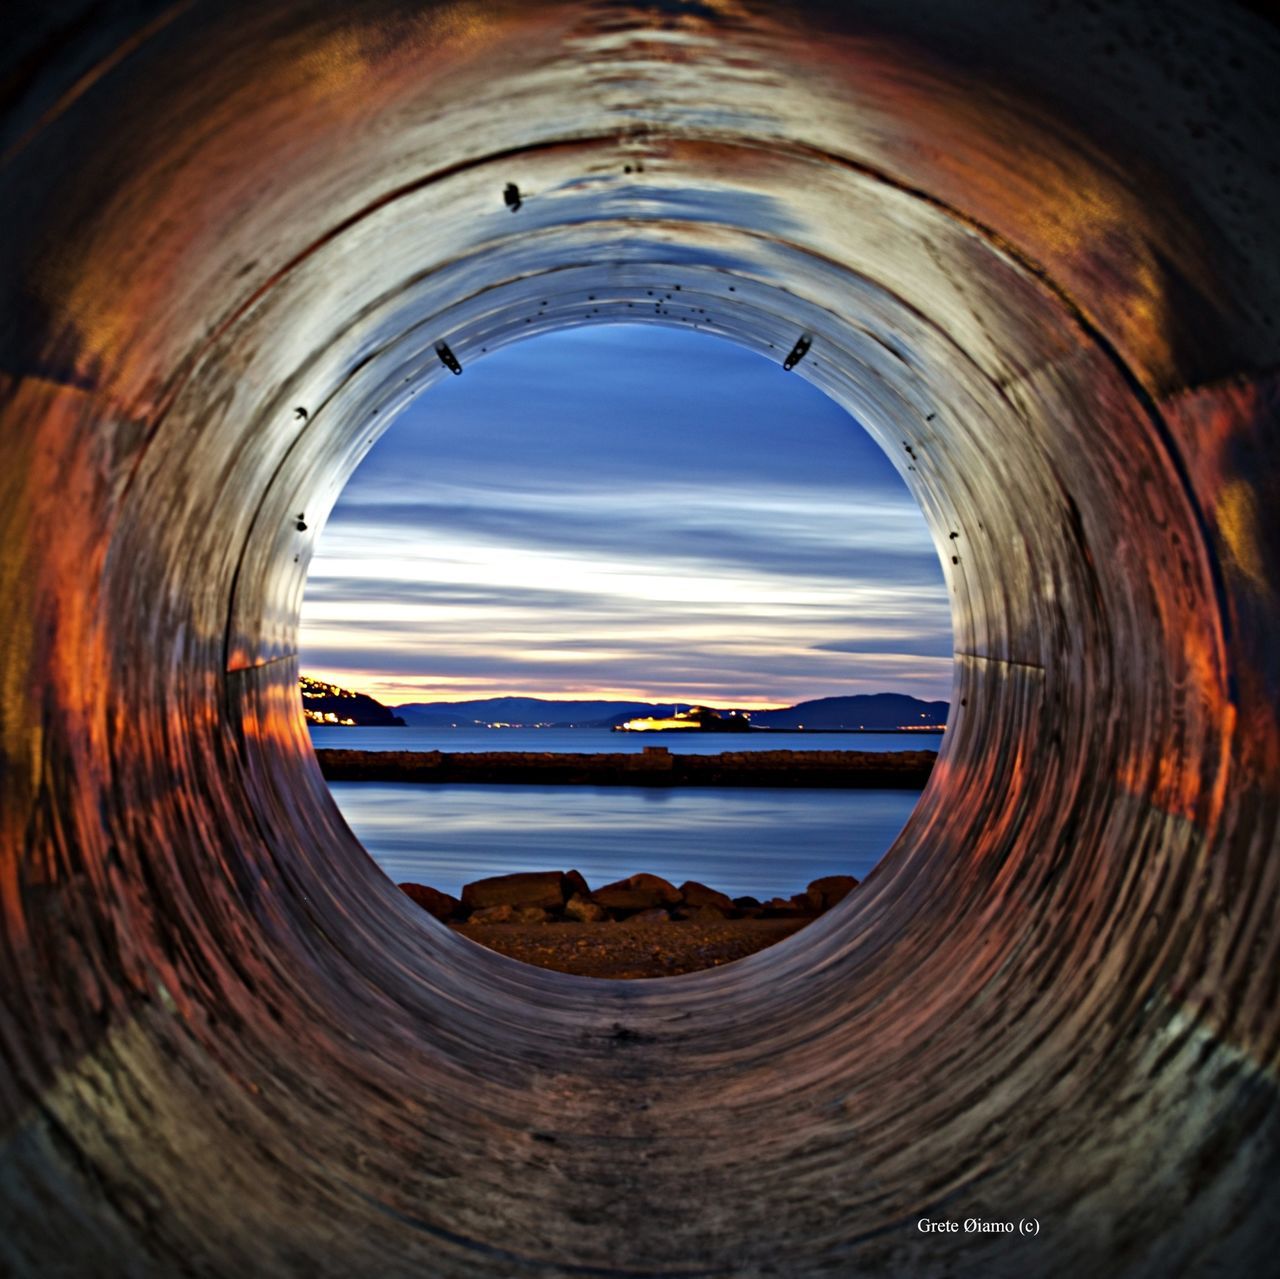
630,512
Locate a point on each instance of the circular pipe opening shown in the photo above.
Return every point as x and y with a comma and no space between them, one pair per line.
623,518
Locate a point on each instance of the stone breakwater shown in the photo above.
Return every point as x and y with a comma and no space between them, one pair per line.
654,766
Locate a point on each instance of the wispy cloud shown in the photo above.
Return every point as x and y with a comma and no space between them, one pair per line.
634,513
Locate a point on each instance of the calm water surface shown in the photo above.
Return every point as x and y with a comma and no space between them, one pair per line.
739,840
596,740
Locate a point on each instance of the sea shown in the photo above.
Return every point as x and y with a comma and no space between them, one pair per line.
761,841
603,740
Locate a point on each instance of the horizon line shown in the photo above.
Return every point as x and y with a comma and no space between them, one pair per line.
611,695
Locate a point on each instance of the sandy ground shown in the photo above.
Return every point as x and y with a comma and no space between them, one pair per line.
630,950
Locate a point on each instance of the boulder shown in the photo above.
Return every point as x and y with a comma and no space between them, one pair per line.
696,894
504,914
531,915
574,883
543,888
441,905
780,908
708,914
637,892
655,916
746,903
826,892
584,910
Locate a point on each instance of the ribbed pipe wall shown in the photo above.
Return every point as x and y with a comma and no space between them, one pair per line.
1035,250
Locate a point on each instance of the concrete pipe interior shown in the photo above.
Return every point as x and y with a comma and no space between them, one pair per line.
1034,249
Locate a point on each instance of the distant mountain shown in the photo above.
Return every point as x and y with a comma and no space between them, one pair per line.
523,712
870,711
865,710
328,704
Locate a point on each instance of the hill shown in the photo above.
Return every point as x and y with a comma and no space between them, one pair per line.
328,704
520,712
865,710
870,711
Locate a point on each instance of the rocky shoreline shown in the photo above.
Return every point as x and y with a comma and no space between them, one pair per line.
641,926
653,766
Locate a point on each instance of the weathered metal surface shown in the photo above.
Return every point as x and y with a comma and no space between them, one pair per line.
1034,248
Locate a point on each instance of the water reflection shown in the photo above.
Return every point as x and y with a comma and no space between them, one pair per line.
764,842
